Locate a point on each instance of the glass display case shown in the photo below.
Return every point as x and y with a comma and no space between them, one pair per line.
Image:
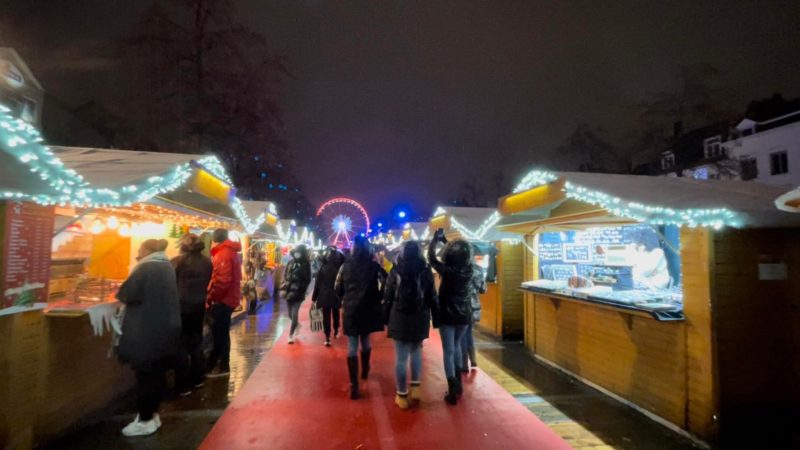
631,266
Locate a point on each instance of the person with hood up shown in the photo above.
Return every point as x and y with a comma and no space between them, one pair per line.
359,284
295,284
324,295
193,272
455,310
151,330
468,342
410,301
224,296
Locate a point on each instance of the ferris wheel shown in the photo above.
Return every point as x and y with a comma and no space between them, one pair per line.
342,219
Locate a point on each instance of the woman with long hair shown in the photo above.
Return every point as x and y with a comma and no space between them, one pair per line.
295,284
410,302
359,285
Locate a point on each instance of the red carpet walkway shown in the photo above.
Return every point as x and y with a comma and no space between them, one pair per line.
298,398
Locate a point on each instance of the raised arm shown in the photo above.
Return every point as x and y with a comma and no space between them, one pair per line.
432,258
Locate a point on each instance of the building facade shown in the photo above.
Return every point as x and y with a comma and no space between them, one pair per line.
19,89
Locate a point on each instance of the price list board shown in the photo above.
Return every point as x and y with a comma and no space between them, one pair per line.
26,236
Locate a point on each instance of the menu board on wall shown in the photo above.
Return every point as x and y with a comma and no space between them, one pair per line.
27,235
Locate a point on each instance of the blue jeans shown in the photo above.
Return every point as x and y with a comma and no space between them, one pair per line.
468,349
451,347
352,345
402,351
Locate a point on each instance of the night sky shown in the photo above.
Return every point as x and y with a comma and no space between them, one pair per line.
401,101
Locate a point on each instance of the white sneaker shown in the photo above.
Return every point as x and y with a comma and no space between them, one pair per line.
291,339
157,418
140,428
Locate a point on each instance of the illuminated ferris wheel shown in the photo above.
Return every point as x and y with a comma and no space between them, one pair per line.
343,219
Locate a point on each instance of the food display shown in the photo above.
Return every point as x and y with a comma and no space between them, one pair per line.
632,266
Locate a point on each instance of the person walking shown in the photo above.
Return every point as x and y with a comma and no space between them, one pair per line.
193,273
455,310
295,284
324,295
224,295
359,284
410,301
151,329
468,342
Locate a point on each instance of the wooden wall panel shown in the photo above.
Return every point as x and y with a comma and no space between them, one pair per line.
511,273
696,272
81,378
490,309
21,377
644,363
758,333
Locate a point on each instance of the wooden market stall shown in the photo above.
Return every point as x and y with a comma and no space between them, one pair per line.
676,296
501,256
71,220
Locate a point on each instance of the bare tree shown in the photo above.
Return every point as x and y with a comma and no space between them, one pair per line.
204,83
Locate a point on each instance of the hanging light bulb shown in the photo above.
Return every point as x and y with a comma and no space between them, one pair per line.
97,227
124,230
112,223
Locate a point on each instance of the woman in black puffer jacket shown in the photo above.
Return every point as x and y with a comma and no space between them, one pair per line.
295,284
410,301
193,272
324,296
455,308
359,285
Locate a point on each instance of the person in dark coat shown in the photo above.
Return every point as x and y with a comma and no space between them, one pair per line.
224,296
324,295
295,284
151,330
359,285
410,300
455,308
193,272
468,342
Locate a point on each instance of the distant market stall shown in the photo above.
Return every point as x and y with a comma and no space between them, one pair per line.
500,255
71,220
670,294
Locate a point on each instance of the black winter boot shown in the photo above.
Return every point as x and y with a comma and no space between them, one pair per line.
365,363
459,388
352,367
451,397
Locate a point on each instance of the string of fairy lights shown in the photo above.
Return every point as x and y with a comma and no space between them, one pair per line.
652,214
69,188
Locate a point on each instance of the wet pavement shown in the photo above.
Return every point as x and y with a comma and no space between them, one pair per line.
584,417
187,420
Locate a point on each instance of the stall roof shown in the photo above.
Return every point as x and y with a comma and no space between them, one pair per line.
474,223
261,211
659,200
90,178
789,202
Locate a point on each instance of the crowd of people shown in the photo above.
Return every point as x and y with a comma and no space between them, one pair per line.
404,302
168,302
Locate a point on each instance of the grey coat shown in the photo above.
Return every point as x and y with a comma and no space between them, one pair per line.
152,324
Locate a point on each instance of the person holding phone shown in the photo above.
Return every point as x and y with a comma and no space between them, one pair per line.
455,304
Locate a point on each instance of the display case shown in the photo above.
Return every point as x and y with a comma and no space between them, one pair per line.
634,267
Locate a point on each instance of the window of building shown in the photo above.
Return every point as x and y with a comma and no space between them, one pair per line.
778,163
713,147
749,168
667,160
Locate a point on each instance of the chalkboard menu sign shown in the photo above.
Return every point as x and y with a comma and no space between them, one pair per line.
25,238
577,253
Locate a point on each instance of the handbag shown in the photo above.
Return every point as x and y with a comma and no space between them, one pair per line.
315,317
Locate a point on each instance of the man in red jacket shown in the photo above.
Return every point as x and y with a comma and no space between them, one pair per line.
224,295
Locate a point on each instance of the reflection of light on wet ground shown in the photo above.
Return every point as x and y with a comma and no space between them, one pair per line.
583,417
251,338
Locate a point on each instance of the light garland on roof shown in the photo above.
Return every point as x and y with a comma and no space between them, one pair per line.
477,234
24,141
655,215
